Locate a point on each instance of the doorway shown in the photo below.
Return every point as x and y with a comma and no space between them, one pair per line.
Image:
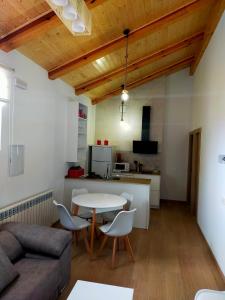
193,169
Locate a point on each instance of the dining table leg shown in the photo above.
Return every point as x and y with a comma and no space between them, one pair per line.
75,210
75,213
93,224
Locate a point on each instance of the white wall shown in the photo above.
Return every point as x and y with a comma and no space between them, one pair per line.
108,116
177,125
209,114
39,124
122,134
170,98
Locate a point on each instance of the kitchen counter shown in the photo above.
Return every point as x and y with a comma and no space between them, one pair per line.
155,183
133,180
147,172
140,188
117,180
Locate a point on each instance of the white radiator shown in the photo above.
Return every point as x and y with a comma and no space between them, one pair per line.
38,209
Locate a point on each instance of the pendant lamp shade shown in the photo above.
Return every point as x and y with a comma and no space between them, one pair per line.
125,95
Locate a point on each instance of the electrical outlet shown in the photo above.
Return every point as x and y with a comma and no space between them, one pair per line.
222,159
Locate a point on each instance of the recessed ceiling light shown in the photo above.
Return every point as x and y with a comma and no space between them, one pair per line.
78,26
74,14
60,2
101,61
69,12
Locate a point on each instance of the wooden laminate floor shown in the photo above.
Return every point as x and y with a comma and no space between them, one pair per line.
172,260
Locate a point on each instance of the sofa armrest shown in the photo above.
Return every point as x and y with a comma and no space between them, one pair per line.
40,239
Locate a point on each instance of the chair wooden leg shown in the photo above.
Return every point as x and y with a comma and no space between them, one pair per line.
84,234
93,224
124,244
129,248
102,244
118,244
114,252
77,233
96,232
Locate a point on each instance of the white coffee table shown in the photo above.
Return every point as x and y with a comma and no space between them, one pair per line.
85,290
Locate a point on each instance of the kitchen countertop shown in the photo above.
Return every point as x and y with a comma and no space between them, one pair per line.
119,180
147,172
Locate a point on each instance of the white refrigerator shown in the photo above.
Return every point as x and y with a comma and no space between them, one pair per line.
102,160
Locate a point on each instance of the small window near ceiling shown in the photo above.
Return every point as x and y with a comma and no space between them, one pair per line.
5,83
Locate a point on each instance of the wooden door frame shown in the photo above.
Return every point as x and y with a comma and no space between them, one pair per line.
194,164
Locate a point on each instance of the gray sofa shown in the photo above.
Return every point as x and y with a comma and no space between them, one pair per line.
35,261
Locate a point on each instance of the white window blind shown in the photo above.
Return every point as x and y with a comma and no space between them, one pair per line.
5,84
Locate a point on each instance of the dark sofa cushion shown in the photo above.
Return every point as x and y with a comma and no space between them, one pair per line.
40,239
39,279
7,271
11,246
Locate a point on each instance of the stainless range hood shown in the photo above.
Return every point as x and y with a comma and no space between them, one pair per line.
145,146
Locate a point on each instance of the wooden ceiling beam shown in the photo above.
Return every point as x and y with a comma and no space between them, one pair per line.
35,28
152,57
136,34
213,20
29,31
181,64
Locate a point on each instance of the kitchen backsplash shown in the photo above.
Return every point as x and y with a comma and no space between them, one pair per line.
150,162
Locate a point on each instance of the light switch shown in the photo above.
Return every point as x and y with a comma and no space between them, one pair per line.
222,158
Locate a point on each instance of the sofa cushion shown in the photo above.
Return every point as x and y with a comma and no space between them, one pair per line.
39,279
40,239
7,271
11,246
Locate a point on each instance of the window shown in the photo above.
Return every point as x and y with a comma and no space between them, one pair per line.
5,84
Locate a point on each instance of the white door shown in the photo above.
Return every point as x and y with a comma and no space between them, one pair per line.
100,168
102,154
108,154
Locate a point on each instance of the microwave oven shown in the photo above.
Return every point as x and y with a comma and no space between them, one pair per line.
121,167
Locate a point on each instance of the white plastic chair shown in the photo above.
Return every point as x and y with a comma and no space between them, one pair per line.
73,223
209,295
121,227
110,215
83,212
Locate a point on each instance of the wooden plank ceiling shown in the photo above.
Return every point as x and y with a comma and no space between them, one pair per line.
166,36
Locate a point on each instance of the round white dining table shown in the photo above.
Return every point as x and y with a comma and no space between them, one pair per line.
97,202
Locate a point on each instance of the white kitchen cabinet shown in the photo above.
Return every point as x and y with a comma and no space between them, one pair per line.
155,186
155,199
76,133
141,193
